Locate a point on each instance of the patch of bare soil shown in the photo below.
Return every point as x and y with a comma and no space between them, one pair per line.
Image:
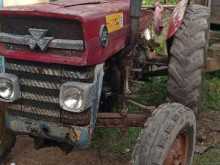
209,128
25,154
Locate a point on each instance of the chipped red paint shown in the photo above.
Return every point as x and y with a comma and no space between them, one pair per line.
91,13
177,17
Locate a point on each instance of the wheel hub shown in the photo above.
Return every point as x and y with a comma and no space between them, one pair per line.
178,152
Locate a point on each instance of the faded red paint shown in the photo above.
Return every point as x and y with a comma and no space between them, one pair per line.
92,16
177,17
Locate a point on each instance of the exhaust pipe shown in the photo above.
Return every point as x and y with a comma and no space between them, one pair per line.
135,9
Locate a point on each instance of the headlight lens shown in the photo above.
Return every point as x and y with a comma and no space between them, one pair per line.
76,96
72,99
6,89
9,87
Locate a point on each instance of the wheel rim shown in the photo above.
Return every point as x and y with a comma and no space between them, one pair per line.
178,153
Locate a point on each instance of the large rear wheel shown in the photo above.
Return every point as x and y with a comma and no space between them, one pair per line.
187,58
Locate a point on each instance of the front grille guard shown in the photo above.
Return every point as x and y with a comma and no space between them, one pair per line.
42,43
40,85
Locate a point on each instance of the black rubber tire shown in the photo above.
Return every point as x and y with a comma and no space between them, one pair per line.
187,58
160,133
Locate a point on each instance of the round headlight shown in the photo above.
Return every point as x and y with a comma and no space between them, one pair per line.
72,99
6,89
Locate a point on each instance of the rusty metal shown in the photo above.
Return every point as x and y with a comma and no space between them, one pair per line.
117,120
178,152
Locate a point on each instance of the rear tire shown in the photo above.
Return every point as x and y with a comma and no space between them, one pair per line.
168,123
187,58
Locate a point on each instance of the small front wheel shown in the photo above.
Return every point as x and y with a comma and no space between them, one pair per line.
168,137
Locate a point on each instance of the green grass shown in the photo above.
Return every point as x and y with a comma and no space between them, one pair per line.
153,92
212,157
151,2
115,141
212,92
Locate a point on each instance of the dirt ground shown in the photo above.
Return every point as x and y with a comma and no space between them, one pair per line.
209,128
25,154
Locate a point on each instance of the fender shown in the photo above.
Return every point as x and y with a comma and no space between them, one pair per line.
177,17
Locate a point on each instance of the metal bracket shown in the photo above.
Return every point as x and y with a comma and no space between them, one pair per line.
42,42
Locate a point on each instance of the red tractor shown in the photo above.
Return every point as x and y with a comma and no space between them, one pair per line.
64,64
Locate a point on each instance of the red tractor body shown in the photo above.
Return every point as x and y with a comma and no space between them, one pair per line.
66,66
80,20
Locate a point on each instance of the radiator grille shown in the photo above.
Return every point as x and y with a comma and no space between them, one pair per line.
40,85
57,28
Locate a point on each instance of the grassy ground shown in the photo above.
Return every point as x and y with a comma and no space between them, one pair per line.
154,92
212,92
211,157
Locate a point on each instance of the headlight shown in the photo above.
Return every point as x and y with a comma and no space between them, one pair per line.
74,96
9,87
6,89
72,99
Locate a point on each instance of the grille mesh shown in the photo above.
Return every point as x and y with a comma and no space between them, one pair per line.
57,28
40,85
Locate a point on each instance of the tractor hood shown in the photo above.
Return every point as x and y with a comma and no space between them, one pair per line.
75,9
74,31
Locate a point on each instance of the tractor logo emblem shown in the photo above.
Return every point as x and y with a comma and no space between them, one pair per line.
37,39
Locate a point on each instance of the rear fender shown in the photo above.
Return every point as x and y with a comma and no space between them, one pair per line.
177,17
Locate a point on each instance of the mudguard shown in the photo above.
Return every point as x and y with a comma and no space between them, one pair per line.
177,17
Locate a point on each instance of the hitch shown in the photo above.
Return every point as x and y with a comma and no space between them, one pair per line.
118,120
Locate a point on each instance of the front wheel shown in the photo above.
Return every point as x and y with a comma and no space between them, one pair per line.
168,137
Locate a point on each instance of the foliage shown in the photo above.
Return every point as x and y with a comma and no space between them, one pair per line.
151,2
211,90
